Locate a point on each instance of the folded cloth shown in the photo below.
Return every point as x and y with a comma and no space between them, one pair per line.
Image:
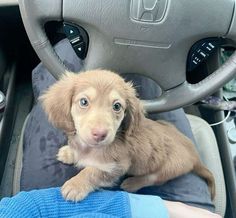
101,204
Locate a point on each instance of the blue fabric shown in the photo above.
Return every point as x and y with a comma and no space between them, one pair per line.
100,204
146,206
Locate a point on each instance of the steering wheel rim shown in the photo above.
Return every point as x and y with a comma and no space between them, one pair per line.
111,48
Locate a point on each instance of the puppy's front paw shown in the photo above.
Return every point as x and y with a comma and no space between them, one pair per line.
66,155
73,190
130,184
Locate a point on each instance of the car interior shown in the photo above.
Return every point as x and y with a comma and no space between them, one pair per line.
186,47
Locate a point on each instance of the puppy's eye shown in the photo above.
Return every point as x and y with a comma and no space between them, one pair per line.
117,107
83,102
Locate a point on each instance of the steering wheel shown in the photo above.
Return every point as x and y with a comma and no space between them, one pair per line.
148,37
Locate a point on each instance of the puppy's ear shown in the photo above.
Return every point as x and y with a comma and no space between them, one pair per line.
134,110
57,100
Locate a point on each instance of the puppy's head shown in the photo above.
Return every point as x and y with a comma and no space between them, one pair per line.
95,104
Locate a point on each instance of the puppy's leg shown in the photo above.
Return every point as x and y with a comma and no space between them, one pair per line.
66,155
89,179
170,170
133,184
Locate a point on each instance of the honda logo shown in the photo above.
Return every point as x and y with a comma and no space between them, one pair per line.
148,10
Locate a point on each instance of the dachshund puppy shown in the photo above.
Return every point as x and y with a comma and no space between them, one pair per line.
109,136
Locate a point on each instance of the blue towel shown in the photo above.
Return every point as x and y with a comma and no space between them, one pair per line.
100,204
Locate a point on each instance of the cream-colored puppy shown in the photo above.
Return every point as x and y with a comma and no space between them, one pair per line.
109,136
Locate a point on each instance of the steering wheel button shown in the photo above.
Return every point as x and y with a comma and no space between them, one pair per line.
76,40
210,44
197,59
80,50
71,31
203,54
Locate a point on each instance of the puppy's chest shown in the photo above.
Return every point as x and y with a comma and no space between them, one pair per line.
96,162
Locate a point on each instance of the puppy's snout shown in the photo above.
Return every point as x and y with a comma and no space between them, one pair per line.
99,134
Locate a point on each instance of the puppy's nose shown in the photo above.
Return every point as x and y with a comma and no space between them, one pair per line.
99,134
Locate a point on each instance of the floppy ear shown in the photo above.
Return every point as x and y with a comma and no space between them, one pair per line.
56,102
134,110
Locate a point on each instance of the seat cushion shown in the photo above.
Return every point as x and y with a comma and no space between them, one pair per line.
209,153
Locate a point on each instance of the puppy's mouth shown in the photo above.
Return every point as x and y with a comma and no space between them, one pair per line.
89,142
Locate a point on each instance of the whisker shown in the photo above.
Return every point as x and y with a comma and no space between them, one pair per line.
136,86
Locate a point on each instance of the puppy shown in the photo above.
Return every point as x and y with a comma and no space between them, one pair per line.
109,136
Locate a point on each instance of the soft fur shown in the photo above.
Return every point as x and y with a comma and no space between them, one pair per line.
108,144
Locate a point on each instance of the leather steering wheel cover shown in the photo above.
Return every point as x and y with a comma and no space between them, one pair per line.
168,100
35,14
177,92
